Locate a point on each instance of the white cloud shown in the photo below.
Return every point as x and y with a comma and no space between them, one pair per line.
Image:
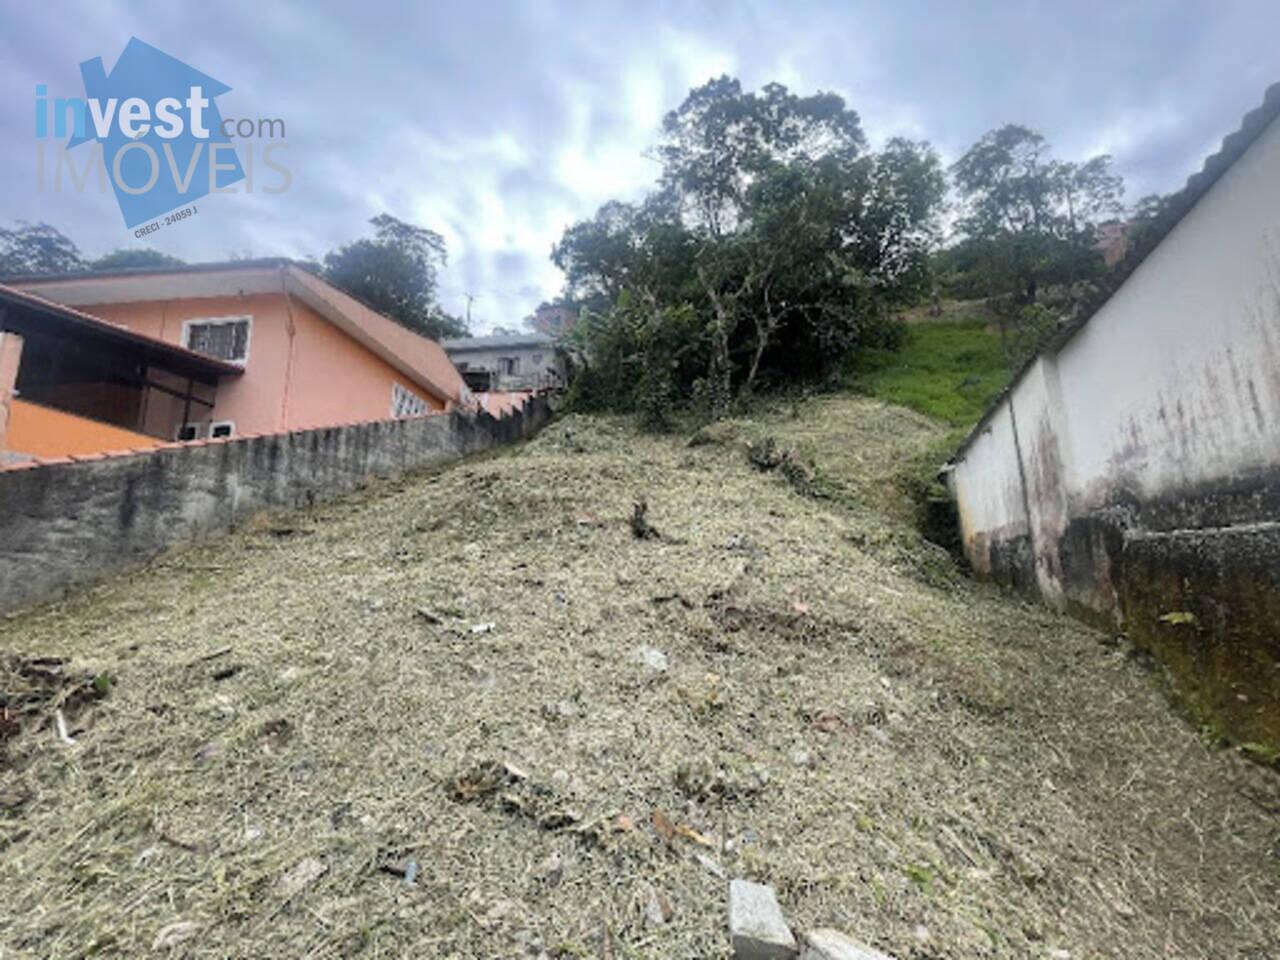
499,127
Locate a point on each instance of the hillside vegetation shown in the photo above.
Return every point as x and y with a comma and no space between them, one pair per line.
501,711
950,371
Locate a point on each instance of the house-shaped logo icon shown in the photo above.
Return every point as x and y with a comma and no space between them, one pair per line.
161,166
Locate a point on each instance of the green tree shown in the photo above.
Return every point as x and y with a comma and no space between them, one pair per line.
832,249
772,244
1146,213
127,259
1032,220
396,274
625,246
720,140
37,248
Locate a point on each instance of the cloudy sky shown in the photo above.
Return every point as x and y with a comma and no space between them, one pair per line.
498,124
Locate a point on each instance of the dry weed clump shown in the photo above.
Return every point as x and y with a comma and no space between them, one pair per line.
475,714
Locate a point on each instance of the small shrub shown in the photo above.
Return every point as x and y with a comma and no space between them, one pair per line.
1032,327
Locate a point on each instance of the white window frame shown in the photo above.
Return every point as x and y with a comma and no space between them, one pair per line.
239,318
400,394
229,424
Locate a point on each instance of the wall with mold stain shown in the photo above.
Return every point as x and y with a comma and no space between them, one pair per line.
1135,472
993,512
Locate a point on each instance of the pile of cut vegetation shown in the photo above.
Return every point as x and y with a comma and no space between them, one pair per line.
548,703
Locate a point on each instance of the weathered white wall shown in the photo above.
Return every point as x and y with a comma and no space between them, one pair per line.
1172,388
993,507
1136,471
1176,380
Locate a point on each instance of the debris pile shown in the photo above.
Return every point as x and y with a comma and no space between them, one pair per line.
39,693
801,473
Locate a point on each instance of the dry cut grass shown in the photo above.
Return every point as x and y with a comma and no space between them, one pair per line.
426,721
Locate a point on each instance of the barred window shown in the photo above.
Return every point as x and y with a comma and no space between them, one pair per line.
406,403
226,338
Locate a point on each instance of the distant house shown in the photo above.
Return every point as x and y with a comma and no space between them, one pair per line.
1131,472
507,362
1112,241
199,352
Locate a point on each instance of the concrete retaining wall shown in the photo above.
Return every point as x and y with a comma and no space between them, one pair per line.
1132,476
68,523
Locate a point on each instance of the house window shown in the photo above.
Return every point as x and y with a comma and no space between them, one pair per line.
509,365
537,359
226,338
406,403
221,428
189,431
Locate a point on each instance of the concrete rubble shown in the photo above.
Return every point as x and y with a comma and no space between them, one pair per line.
829,944
759,931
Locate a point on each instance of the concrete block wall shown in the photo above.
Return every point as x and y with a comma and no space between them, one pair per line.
72,522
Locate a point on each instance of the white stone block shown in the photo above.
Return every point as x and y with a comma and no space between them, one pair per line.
833,945
757,929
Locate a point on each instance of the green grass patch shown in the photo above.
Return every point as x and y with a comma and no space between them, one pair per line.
950,371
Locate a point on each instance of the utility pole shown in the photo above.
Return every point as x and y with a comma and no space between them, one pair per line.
470,299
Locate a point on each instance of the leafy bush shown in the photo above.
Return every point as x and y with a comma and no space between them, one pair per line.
773,245
1030,330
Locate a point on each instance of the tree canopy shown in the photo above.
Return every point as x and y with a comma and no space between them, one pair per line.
126,259
721,140
37,248
396,274
772,243
1031,220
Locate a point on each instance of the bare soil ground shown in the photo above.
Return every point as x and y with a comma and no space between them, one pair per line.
442,681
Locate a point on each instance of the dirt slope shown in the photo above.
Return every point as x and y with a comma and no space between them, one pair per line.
444,677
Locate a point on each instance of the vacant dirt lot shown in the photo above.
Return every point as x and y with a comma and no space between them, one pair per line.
474,715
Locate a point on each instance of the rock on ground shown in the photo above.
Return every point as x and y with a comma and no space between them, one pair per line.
651,658
834,945
302,875
757,929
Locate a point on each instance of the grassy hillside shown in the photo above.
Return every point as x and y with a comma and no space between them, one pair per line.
950,371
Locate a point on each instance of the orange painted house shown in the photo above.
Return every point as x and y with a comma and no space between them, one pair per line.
197,352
